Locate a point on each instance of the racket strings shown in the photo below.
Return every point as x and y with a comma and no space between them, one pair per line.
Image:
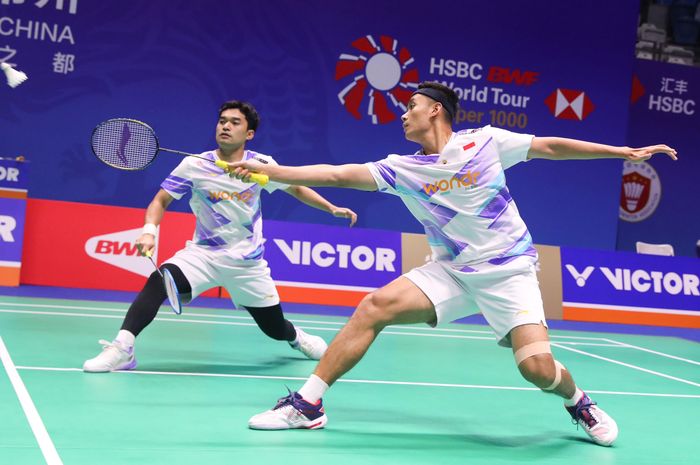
125,144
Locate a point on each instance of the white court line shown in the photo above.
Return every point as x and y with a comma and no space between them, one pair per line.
400,327
624,344
30,411
360,381
176,319
628,365
405,331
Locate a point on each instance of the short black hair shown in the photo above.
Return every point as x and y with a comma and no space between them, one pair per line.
248,110
449,93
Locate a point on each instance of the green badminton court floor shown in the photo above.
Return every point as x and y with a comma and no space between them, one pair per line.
420,396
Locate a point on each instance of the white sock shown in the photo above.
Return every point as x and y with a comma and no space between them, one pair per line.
125,338
313,389
574,399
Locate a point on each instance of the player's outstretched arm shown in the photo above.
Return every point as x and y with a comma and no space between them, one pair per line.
560,148
353,176
154,215
313,199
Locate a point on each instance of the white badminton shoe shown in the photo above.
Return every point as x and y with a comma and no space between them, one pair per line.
113,357
599,426
312,346
291,412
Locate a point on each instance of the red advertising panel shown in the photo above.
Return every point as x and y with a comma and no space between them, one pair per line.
92,246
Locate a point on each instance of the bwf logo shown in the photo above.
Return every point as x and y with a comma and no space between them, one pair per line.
119,249
380,71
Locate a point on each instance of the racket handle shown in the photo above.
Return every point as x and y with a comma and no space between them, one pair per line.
258,178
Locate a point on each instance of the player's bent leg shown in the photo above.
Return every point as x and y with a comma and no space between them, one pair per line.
271,321
536,363
119,354
399,302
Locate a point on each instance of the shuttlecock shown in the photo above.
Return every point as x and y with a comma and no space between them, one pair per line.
14,77
633,192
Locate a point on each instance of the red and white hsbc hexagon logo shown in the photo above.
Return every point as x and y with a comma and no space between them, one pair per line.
119,249
569,104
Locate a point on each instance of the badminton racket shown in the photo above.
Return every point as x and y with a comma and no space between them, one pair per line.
170,287
128,144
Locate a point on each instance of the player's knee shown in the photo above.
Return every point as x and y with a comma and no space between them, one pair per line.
539,370
374,310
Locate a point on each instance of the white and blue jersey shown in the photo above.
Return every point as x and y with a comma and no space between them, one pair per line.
227,210
461,199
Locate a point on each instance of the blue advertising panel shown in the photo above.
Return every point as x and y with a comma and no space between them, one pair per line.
330,81
660,200
332,256
13,175
12,213
622,279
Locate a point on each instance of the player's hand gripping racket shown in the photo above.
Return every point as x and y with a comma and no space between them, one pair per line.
170,286
128,144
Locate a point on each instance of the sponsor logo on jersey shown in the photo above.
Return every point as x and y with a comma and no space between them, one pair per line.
466,180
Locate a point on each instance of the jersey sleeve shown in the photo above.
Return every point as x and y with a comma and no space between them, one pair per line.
178,182
512,146
384,174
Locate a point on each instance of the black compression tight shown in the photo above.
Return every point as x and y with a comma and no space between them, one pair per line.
272,322
145,307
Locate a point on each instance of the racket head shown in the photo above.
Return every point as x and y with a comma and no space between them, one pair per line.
172,292
125,144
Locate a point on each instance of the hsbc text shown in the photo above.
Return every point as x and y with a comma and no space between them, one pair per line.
671,105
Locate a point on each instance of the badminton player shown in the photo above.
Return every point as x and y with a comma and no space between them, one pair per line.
483,255
227,247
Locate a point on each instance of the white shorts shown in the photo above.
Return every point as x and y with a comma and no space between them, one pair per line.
507,295
247,281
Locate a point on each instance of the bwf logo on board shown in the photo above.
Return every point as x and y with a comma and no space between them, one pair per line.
383,78
119,249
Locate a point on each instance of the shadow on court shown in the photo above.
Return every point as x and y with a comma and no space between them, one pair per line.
260,366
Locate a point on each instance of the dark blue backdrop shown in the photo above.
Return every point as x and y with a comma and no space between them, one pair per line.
668,109
171,63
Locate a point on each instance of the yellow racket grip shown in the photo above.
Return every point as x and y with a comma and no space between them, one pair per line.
258,178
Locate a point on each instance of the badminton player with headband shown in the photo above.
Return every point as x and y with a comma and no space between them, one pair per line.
483,255
227,247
